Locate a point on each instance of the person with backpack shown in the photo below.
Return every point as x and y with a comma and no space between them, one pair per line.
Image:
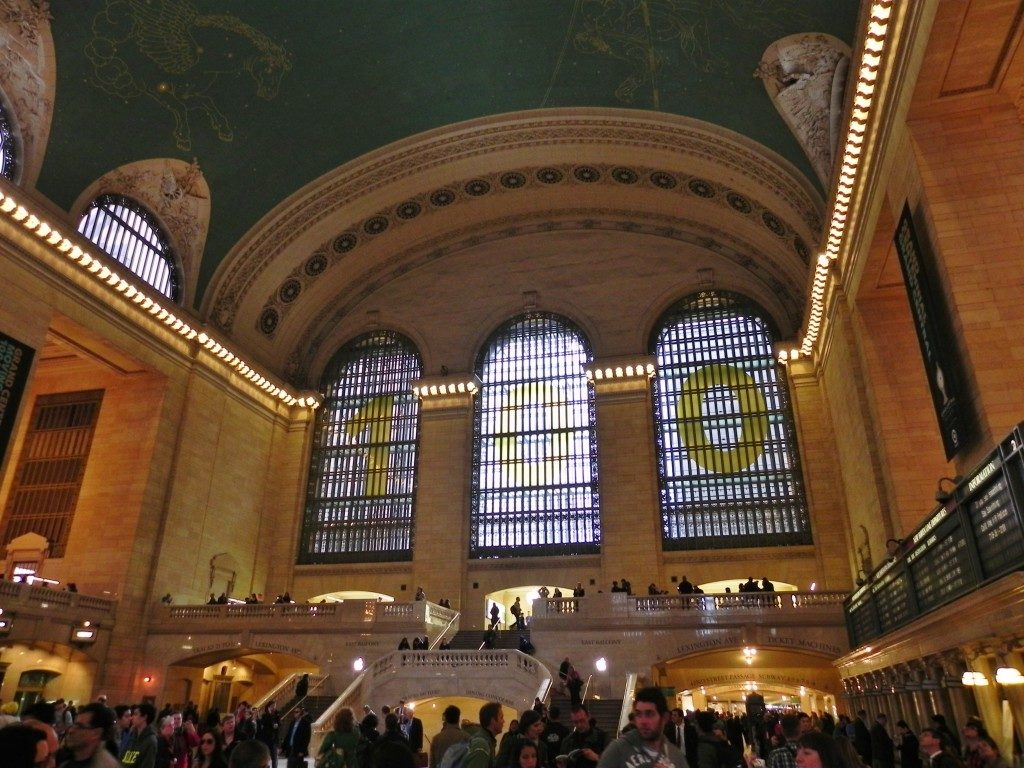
478,752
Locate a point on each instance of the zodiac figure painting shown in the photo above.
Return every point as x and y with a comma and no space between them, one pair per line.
168,51
653,35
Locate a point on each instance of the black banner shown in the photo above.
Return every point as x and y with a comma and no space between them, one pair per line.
15,361
941,362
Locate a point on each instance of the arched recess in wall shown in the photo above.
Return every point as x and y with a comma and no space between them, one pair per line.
27,81
176,194
483,208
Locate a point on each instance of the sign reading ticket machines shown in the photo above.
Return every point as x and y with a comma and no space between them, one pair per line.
15,361
938,349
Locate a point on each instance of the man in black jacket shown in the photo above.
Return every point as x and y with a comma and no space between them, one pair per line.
297,740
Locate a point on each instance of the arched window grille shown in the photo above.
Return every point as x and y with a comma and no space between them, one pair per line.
535,486
129,233
362,480
8,155
727,454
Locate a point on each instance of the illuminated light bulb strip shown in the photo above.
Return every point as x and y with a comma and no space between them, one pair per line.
620,370
853,147
103,274
434,388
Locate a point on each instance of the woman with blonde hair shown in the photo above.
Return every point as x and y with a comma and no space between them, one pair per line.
338,749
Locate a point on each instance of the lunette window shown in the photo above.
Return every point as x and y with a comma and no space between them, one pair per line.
129,233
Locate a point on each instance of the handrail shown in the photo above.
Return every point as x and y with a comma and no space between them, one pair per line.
312,688
328,714
627,700
444,632
271,695
586,687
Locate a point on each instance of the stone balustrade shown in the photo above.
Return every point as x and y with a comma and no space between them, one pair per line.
617,608
22,598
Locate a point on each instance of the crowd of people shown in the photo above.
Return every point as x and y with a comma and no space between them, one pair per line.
48,735
95,735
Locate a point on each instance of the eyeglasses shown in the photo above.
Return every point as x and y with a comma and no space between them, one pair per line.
207,741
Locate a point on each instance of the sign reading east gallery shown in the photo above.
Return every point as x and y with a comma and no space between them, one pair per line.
15,361
938,350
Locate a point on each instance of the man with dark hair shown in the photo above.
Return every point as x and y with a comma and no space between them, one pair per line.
586,743
883,750
784,755
647,743
297,740
933,746
269,730
142,744
449,734
862,737
122,727
484,740
250,753
675,726
707,747
86,736
553,734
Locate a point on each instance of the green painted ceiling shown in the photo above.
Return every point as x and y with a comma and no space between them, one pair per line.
343,77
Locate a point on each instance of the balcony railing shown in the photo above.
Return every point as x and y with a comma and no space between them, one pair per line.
644,609
37,600
364,615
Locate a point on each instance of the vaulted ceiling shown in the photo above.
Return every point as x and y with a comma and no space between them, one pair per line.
347,146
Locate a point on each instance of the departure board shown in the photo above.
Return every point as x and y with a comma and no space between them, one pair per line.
862,623
996,528
893,601
940,569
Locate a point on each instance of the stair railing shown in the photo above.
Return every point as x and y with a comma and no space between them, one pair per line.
444,632
627,700
583,696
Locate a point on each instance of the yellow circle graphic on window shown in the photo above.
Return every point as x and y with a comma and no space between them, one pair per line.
753,417
536,437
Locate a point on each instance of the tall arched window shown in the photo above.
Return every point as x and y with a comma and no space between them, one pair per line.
362,480
728,460
535,455
131,234
8,157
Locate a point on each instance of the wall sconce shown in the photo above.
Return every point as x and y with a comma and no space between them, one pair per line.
1007,675
84,633
942,495
974,678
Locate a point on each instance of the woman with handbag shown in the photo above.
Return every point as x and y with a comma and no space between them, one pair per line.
338,749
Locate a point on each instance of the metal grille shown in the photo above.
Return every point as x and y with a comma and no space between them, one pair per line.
129,233
363,475
728,464
51,467
535,454
7,153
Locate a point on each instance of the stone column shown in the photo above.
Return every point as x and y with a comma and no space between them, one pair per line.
630,509
442,498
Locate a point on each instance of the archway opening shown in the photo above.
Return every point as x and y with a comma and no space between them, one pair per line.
505,598
340,596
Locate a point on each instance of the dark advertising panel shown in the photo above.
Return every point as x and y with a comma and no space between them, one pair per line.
15,361
941,361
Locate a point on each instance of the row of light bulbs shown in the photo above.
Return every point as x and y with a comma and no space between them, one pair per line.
863,100
620,371
446,388
100,272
